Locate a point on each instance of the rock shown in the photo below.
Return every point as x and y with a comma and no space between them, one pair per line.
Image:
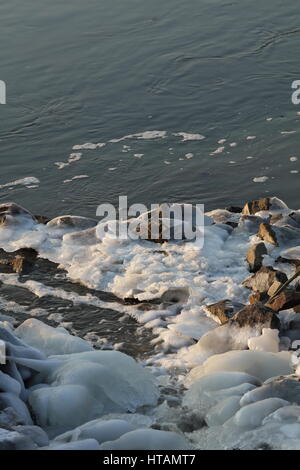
41,219
275,218
258,297
274,288
72,222
286,388
234,209
252,207
9,213
294,261
267,234
292,220
224,310
22,265
255,256
256,315
251,223
21,261
263,279
12,440
289,298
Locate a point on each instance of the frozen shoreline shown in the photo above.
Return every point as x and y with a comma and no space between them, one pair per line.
223,367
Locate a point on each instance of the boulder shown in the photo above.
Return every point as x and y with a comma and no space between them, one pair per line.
252,207
10,212
255,256
256,315
72,222
267,234
222,311
234,209
21,261
289,298
263,279
258,297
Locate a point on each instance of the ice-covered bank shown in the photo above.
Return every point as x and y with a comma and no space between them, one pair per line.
223,372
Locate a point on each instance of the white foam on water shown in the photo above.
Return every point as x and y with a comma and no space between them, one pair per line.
147,135
186,136
260,179
27,181
218,150
88,146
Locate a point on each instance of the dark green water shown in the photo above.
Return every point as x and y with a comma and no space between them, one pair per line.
97,70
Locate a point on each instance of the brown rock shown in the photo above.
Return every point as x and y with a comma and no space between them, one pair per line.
295,262
255,256
258,297
234,209
41,219
21,261
274,288
223,310
263,279
267,234
275,218
287,299
255,315
256,206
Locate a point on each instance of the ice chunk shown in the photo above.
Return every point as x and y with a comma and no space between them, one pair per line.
282,387
221,380
224,410
10,400
84,386
12,440
86,444
268,341
257,363
252,416
9,384
97,429
148,439
50,340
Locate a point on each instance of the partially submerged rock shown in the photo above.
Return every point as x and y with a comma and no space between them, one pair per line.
11,213
21,261
71,222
